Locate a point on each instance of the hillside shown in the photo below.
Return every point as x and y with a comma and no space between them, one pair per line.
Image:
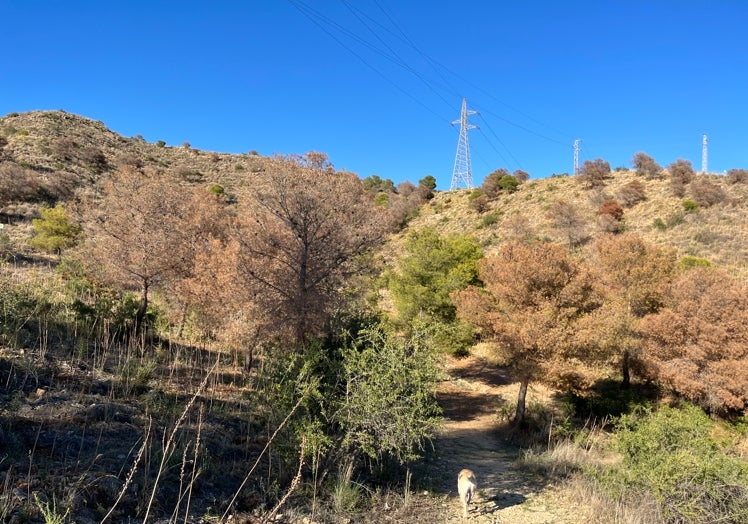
109,426
718,233
57,144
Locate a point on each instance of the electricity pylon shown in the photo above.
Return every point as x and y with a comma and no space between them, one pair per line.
704,143
462,172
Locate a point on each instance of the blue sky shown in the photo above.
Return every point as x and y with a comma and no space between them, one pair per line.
375,84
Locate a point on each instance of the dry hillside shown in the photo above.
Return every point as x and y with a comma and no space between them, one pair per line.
718,233
74,418
56,144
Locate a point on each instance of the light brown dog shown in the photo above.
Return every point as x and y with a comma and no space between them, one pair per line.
466,486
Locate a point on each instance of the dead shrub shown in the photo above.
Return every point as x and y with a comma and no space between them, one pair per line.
632,193
706,193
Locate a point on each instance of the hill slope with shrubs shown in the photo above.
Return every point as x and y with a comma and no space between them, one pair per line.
192,336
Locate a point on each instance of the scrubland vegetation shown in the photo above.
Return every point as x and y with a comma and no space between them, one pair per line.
198,337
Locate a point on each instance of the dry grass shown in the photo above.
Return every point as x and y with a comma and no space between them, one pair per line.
639,509
718,233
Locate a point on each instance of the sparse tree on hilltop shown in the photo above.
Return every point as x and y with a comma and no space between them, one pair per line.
426,187
737,176
707,193
375,184
498,181
645,166
632,193
521,176
610,215
681,174
566,218
594,173
429,182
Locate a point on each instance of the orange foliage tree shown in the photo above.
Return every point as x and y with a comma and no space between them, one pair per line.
698,344
139,232
633,274
302,230
533,296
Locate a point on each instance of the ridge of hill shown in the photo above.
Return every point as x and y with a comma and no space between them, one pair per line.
57,143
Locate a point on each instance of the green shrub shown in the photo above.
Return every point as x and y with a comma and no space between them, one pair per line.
381,199
54,232
690,262
671,454
508,183
475,193
389,408
659,224
690,206
432,267
455,338
490,219
160,143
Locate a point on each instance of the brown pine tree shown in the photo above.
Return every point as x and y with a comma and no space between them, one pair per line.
302,230
634,274
698,344
136,232
534,295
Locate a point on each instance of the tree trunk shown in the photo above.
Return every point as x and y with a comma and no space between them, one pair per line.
626,370
140,315
519,416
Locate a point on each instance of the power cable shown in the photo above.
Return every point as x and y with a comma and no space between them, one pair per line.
301,7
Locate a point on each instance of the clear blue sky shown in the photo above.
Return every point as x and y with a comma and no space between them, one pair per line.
376,83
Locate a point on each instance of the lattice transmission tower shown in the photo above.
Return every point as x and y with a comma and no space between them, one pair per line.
576,156
462,172
704,143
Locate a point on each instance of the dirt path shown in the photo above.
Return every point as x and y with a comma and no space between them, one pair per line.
472,438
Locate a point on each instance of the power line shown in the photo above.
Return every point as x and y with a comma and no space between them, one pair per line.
387,51
509,152
400,60
306,10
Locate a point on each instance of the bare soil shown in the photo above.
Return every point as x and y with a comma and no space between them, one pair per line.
474,437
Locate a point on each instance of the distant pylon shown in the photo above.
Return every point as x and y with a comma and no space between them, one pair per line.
576,156
462,172
704,142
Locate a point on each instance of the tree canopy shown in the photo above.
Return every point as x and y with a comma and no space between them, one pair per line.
533,296
698,343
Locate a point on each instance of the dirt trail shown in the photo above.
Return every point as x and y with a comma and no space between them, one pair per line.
471,438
